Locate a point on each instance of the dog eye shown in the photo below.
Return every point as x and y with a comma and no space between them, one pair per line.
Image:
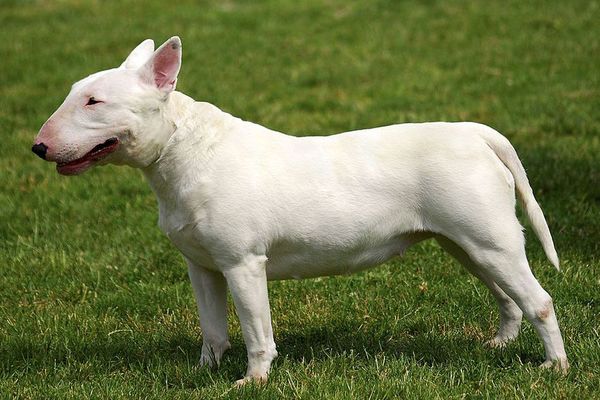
92,101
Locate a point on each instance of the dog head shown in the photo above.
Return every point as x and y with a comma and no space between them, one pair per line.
114,116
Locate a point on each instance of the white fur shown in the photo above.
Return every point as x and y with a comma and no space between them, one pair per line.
245,204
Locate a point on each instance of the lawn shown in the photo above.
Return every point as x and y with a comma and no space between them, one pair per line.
95,301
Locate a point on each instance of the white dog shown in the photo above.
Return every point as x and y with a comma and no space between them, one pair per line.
245,204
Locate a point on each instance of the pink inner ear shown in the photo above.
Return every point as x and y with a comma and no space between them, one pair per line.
166,66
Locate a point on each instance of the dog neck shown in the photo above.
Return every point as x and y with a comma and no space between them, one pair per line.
184,158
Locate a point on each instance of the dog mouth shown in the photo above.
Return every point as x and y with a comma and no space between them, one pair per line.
91,157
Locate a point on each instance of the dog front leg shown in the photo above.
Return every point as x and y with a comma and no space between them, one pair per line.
210,290
247,282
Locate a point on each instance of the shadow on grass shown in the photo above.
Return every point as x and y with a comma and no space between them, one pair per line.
346,340
417,345
176,357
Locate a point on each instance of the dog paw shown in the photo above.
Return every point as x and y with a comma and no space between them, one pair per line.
498,342
559,365
208,360
257,380
212,353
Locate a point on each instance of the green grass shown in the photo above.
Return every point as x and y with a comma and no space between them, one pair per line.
95,302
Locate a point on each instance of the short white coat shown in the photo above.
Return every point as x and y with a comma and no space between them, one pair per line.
245,204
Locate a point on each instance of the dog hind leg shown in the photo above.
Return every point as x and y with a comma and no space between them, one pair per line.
498,252
510,313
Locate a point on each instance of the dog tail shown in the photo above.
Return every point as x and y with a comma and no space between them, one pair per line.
507,154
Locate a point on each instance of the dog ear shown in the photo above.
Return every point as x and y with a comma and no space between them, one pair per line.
139,55
163,66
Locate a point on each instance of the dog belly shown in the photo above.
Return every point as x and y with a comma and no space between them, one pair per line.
301,255
290,261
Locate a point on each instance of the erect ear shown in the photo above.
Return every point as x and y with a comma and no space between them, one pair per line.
139,55
163,66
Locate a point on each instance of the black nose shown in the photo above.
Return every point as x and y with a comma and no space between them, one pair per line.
40,149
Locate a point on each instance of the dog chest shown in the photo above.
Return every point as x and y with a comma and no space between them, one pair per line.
187,240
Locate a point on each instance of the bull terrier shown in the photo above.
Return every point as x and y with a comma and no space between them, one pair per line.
245,204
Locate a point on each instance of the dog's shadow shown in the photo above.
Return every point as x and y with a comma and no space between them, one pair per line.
313,345
353,341
415,346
